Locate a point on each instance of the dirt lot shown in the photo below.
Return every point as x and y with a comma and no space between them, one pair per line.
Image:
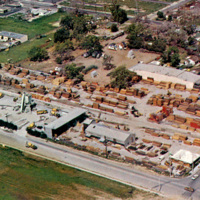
119,58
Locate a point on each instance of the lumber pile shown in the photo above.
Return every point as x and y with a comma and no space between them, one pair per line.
196,142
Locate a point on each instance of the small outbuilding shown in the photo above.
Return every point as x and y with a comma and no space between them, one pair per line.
6,36
185,157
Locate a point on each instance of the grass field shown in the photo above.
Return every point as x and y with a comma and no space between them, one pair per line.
38,26
41,26
20,52
28,177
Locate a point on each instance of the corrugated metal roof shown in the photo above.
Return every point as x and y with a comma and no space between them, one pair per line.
66,118
102,130
11,34
168,71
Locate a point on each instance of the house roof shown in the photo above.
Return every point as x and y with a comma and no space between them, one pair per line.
66,118
167,71
11,34
105,131
185,156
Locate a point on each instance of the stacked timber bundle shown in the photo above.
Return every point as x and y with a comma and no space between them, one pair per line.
29,86
59,80
40,78
146,141
156,143
122,105
152,154
58,94
119,113
179,119
196,142
96,105
179,136
99,99
165,136
122,98
187,142
180,87
7,67
66,95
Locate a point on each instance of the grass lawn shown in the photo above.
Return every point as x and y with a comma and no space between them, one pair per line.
28,177
38,26
147,7
20,52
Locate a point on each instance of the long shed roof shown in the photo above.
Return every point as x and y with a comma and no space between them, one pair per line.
66,118
102,130
168,71
11,34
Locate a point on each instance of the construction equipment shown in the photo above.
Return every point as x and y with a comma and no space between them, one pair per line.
55,114
134,112
32,125
30,145
39,112
15,99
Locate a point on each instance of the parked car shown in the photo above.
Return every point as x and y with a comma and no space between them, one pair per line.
86,54
99,54
94,54
124,45
190,189
195,177
112,46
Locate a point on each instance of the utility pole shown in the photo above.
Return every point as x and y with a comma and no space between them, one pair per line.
105,141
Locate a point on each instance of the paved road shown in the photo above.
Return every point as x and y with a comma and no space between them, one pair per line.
113,170
172,6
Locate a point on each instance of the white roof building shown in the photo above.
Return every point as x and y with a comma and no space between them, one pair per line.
168,74
185,156
111,134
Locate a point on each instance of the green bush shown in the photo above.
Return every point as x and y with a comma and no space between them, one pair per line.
114,28
85,71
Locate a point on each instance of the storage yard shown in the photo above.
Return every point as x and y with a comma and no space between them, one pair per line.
152,120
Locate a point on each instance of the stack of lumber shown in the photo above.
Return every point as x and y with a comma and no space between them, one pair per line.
179,136
196,142
157,144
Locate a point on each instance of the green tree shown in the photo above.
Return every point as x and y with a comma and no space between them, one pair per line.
121,77
135,33
114,28
67,21
172,56
160,15
38,54
72,72
91,42
80,26
118,14
158,45
175,60
61,35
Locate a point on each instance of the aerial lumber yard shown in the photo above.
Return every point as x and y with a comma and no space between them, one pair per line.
97,101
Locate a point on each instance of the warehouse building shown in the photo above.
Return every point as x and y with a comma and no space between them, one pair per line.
185,157
114,135
6,36
167,74
63,123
